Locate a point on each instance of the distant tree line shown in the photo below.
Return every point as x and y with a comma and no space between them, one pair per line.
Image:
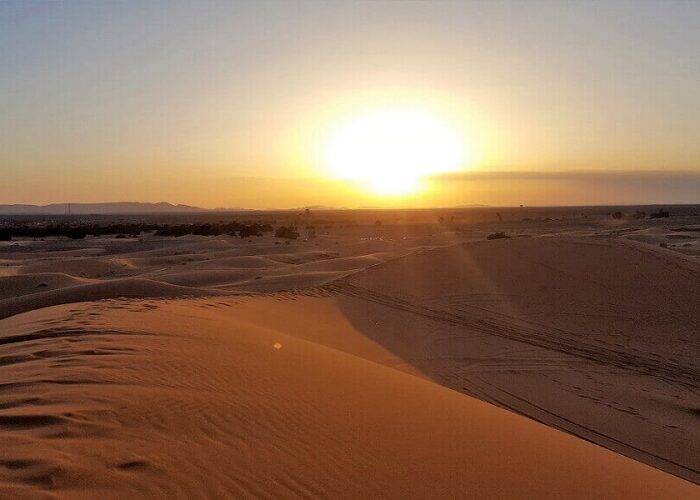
133,230
639,214
230,228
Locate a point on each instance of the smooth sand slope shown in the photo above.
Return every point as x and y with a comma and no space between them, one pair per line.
601,338
191,398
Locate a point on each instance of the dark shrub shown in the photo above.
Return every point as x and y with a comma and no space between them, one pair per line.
617,215
76,233
5,235
497,236
659,215
289,233
248,231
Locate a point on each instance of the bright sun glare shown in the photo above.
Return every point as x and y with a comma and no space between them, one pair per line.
392,149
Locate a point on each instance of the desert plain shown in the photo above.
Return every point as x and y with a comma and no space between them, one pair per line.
479,353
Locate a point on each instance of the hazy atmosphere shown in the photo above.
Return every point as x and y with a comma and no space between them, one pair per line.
350,249
250,104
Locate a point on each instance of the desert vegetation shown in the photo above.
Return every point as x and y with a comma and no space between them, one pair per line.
231,228
660,214
287,232
499,235
80,231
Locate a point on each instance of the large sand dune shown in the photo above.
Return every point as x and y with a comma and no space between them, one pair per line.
599,338
190,399
345,381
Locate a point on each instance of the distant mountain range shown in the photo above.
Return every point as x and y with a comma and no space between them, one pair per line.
98,208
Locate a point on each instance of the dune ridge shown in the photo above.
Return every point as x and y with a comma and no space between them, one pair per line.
127,287
109,399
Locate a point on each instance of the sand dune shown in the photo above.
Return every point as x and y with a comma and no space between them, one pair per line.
86,268
346,263
596,337
292,281
681,239
208,278
239,262
379,332
129,287
184,399
219,264
18,285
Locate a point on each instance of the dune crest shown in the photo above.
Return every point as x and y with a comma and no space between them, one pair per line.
186,397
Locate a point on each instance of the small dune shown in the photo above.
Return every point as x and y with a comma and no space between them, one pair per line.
129,287
82,267
25,284
283,282
205,278
342,263
239,262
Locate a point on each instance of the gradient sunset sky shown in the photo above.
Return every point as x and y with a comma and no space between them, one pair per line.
231,104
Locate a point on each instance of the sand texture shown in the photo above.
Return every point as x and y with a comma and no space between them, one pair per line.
188,399
394,364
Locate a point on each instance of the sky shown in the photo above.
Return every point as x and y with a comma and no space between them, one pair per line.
234,104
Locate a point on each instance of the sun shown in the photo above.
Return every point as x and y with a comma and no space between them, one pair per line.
391,150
